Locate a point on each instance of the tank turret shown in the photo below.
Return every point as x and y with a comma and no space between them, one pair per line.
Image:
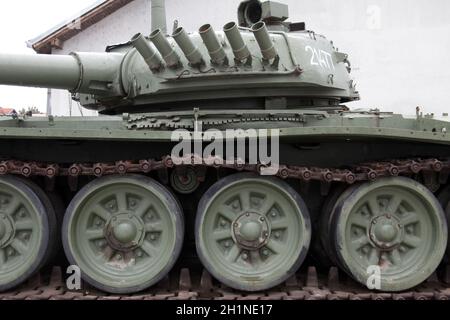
251,62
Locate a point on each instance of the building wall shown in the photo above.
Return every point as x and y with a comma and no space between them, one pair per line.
118,27
398,49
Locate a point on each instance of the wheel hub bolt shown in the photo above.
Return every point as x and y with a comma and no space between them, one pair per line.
22,214
274,214
10,252
139,254
118,257
227,244
223,223
262,219
153,237
235,206
265,252
277,235
245,256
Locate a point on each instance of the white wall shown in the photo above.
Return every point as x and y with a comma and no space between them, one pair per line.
116,28
398,49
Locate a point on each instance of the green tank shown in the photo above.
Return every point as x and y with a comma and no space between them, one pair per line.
232,146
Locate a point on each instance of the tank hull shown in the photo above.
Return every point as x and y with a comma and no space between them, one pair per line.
320,155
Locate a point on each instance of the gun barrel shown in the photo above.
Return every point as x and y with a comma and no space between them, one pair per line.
90,73
59,72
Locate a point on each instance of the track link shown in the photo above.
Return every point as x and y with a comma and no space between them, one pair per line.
435,171
306,285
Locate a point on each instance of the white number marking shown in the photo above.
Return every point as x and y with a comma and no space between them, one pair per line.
320,58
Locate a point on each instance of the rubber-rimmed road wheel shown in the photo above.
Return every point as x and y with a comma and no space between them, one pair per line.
328,254
395,224
444,199
27,226
124,232
252,232
54,243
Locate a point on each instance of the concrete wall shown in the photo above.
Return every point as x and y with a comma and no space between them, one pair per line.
398,49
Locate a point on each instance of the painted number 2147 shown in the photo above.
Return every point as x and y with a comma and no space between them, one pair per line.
320,58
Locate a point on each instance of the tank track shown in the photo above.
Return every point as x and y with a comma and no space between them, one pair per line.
196,283
190,284
363,172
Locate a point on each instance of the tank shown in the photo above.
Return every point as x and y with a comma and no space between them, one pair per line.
234,149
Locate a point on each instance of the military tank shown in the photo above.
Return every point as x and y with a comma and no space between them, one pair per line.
360,190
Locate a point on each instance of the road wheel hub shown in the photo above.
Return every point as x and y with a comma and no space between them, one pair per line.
125,231
251,230
386,232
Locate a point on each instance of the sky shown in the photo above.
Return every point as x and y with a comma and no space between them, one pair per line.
22,20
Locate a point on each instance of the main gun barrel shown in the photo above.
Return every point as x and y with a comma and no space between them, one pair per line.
58,72
90,73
